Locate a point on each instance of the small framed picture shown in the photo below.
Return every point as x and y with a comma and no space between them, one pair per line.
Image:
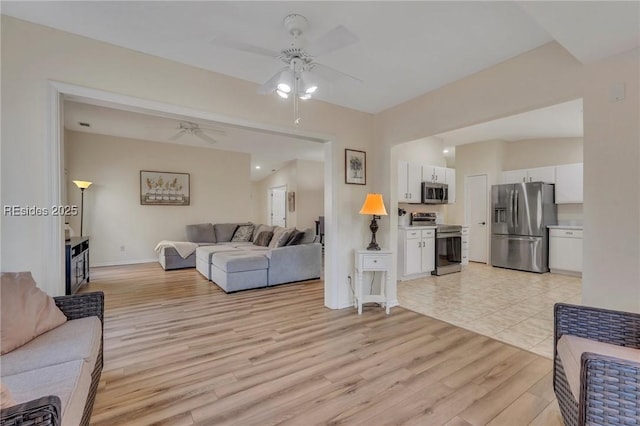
355,167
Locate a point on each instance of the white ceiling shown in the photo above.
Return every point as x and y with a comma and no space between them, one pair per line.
557,121
269,151
405,48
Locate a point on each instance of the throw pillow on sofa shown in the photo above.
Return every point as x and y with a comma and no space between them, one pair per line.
261,228
263,239
280,237
25,312
295,238
243,233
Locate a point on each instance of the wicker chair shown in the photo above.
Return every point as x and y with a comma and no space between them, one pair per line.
47,410
609,387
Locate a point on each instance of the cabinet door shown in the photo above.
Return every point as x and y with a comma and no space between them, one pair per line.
403,178
569,183
428,173
451,183
440,174
414,183
542,174
514,176
428,254
412,256
565,254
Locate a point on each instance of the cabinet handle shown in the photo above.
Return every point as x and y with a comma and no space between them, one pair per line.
569,233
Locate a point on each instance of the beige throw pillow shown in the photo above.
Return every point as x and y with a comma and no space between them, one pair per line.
280,236
25,311
6,399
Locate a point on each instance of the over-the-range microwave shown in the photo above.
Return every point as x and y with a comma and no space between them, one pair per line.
435,193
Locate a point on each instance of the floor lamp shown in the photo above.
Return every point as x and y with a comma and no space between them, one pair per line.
82,185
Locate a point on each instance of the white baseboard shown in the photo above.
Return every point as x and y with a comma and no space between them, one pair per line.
123,262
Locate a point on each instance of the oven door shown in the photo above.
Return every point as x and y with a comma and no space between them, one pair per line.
448,252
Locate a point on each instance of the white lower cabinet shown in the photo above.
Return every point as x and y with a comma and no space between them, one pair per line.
416,252
565,251
465,245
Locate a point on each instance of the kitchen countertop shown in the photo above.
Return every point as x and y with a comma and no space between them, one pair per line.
405,227
578,227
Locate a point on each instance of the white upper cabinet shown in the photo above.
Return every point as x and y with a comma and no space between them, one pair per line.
542,174
409,182
514,176
434,174
451,183
539,174
569,183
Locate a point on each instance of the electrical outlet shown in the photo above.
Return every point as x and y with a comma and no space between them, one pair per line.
121,248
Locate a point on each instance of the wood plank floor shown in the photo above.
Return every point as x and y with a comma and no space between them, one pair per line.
179,351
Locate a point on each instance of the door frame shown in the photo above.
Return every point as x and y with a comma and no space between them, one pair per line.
54,269
488,212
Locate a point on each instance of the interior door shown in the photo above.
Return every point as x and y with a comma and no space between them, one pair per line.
477,199
278,214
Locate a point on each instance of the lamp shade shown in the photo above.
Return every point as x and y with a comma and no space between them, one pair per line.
373,205
82,184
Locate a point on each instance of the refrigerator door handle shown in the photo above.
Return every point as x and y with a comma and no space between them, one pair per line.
515,199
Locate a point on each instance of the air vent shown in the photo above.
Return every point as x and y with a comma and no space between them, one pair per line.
83,124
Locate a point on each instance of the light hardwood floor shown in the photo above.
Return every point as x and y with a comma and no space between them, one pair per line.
179,351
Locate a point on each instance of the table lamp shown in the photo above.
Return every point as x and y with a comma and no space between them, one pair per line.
82,185
373,205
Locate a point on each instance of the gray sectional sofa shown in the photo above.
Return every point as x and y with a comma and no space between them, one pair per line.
229,255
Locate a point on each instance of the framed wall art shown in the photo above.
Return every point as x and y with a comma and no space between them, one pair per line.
164,188
355,167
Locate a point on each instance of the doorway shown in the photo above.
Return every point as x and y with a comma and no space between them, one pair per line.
476,202
278,206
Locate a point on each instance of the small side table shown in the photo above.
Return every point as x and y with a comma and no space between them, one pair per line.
372,261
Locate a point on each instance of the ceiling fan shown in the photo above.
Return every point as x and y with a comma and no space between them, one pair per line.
299,78
187,127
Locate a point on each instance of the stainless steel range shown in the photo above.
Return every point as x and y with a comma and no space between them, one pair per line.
448,253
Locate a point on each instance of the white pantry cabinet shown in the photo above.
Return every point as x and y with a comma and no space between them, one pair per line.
416,252
565,250
539,174
409,182
569,183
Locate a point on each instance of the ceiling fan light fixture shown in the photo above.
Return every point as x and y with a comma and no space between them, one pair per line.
282,94
311,89
305,96
284,87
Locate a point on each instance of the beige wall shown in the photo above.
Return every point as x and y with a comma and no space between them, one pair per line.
114,218
32,55
530,153
306,179
542,77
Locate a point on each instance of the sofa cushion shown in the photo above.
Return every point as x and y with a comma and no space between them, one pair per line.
225,231
263,239
69,381
53,347
309,236
280,237
25,312
261,228
571,348
6,399
201,233
239,261
295,238
243,233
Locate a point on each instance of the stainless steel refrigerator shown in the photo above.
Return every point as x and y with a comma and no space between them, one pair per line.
521,213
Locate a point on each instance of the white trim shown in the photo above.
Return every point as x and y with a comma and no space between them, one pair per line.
54,261
54,269
124,262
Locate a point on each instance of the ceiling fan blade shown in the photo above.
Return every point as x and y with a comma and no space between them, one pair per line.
271,84
332,75
245,47
335,39
177,135
199,133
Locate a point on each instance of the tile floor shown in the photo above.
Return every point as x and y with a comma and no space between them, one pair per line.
511,306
